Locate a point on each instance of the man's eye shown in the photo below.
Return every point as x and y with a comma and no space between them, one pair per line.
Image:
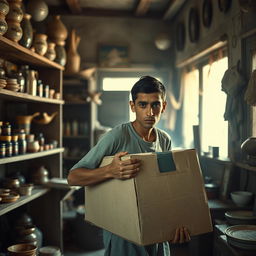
142,105
156,105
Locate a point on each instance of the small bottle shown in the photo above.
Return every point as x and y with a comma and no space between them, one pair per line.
8,146
25,73
40,88
46,91
2,150
6,129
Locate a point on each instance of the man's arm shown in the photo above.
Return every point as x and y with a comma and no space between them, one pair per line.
117,169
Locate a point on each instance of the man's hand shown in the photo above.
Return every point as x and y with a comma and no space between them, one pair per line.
181,236
124,169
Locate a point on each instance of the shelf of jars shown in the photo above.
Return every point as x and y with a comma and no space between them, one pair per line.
7,94
14,52
29,156
36,192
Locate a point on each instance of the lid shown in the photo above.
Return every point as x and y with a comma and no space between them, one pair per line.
242,232
242,215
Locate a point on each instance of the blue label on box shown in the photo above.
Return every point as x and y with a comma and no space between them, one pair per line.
165,162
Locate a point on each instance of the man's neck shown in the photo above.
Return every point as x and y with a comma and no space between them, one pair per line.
146,134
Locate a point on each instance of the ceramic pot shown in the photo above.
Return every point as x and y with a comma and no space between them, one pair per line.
3,24
27,35
24,122
38,9
15,12
33,146
249,146
14,31
61,55
51,53
40,44
4,7
73,58
57,31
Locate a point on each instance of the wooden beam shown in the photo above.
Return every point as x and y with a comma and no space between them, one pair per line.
174,7
142,7
74,6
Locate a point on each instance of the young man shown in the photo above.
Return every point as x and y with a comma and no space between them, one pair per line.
148,103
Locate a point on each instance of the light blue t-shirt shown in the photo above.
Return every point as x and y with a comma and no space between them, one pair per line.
124,138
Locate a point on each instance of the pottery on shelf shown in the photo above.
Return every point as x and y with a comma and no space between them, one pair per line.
4,7
50,53
24,122
38,9
73,58
40,44
13,19
61,55
45,118
57,31
27,31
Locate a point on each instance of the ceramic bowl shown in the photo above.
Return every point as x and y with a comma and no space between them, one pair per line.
26,189
241,198
22,250
12,197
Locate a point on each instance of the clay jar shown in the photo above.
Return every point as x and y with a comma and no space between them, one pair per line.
56,30
27,36
51,53
73,58
13,18
40,44
4,9
61,55
33,146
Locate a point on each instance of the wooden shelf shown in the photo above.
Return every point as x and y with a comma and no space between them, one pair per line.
245,166
30,156
76,137
18,54
36,192
11,95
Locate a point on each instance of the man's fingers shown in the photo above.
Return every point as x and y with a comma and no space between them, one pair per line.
187,236
120,154
181,236
176,236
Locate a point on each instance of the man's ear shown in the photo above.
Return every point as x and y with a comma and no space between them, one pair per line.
132,105
164,106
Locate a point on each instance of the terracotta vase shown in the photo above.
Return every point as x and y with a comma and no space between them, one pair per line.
13,19
38,9
61,55
40,44
57,31
51,53
14,31
3,24
27,31
73,58
4,7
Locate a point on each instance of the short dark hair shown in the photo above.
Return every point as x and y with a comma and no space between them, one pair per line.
147,84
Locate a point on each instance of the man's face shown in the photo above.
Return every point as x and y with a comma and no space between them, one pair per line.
148,108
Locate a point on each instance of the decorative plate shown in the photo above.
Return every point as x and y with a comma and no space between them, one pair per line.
180,36
224,5
243,215
193,25
207,13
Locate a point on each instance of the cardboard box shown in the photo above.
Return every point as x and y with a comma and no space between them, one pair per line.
167,193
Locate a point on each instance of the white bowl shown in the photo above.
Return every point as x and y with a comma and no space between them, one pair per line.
241,198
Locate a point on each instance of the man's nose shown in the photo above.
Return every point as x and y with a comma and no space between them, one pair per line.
150,111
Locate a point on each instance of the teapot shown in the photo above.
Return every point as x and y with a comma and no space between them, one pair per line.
24,122
46,118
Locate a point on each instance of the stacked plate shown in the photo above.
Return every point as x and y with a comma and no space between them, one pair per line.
12,85
242,236
240,217
2,83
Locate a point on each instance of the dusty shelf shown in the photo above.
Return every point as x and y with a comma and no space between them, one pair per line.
36,192
30,156
11,95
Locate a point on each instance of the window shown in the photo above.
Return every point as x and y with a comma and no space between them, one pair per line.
204,104
190,106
